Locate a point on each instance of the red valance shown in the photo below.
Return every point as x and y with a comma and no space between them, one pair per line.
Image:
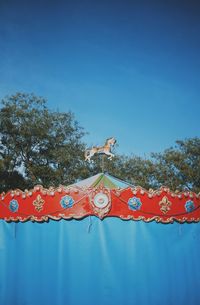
102,199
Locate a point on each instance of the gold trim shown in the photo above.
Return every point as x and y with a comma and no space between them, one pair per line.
129,217
73,188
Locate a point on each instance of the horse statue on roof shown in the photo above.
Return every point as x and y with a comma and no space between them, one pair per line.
105,149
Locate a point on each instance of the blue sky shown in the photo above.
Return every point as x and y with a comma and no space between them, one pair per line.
129,69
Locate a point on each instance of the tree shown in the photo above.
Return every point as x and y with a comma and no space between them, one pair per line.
179,167
139,171
38,145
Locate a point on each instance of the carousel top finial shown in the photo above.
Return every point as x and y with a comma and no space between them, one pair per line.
105,149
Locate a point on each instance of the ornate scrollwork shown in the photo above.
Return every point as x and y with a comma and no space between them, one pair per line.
165,205
100,201
38,203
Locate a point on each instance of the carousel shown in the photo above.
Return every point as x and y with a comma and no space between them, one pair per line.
99,241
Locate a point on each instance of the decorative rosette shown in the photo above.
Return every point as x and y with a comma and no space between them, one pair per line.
189,206
134,203
101,202
66,202
14,205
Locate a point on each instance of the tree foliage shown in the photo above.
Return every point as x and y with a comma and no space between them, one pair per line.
179,167
40,146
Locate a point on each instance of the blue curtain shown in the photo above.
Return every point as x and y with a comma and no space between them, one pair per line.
94,262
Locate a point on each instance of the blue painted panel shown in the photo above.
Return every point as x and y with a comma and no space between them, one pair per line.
107,262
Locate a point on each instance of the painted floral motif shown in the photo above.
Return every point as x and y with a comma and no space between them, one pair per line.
165,205
134,203
38,203
66,202
189,206
14,205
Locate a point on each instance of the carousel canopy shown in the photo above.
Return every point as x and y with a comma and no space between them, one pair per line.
101,195
109,262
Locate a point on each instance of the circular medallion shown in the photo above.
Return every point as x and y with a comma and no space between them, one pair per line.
101,200
66,202
134,203
14,205
189,206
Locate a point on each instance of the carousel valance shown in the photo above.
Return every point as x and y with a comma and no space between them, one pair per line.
103,196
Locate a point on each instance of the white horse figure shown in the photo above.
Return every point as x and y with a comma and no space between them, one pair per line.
106,149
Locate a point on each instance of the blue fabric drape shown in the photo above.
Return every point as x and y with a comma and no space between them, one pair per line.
107,262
